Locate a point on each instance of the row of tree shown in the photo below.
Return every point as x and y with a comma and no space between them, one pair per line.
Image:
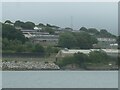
18,46
95,32
82,40
49,28
29,24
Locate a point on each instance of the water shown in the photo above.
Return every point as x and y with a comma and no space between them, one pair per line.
60,79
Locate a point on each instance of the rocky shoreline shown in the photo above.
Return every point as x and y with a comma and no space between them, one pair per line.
36,65
29,65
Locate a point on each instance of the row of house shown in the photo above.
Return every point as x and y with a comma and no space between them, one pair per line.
38,36
106,43
45,39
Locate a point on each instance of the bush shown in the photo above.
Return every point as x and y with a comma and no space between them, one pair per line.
81,59
65,61
95,57
77,58
38,48
98,57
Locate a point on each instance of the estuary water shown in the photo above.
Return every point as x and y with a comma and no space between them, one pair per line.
60,79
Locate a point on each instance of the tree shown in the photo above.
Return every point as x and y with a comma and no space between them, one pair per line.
78,59
98,57
105,33
76,40
41,25
49,50
29,25
49,30
66,61
8,21
84,40
48,25
19,24
93,30
38,48
11,33
67,40
26,25
68,28
81,59
83,29
12,45
5,43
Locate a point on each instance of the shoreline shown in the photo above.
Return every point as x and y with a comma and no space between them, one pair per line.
49,66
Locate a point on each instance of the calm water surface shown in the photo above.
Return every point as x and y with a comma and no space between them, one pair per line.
60,79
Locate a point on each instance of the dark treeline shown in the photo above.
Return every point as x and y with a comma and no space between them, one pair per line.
96,33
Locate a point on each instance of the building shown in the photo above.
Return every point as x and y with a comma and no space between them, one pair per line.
32,33
29,33
71,52
105,43
106,39
45,39
18,28
114,46
37,28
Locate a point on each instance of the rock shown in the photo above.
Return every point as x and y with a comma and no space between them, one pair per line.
29,65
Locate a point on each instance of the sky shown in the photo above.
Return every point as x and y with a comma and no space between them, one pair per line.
100,15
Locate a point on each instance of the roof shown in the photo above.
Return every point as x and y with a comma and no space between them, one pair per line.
111,50
72,51
75,51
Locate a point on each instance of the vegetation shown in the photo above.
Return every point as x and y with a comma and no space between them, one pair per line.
67,40
13,46
13,41
24,25
94,57
49,30
84,40
50,50
96,33
38,48
8,21
77,58
98,57
76,40
11,33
